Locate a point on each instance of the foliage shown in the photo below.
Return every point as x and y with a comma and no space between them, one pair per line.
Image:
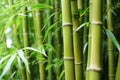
11,33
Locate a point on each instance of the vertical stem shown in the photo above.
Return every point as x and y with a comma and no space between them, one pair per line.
111,68
68,40
85,35
39,36
96,42
17,44
26,39
80,7
49,41
89,40
57,37
117,77
77,41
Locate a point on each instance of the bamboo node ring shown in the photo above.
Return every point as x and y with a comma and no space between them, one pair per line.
67,24
97,23
25,33
111,75
38,14
78,63
68,58
110,50
94,69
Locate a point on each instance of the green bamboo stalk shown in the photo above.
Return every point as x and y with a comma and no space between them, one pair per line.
39,36
17,44
85,35
111,68
57,37
49,41
26,39
96,42
80,7
68,40
89,40
77,41
117,76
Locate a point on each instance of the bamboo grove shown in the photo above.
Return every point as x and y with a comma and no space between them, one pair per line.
59,40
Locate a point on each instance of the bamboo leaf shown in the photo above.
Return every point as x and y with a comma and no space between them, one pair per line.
113,12
40,6
51,47
83,11
113,39
40,50
48,30
85,47
62,74
49,66
18,5
4,58
22,56
8,65
19,62
86,24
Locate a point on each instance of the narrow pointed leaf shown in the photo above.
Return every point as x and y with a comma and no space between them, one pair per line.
22,56
4,58
85,47
8,65
113,39
37,50
86,24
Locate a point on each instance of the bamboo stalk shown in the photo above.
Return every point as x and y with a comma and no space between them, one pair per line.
17,44
26,39
85,35
68,40
57,37
89,41
80,7
117,76
77,41
39,36
49,41
96,41
111,68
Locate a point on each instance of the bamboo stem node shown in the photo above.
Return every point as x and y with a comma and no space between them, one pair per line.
94,69
68,58
110,50
111,75
97,23
40,37
38,14
78,63
67,24
25,33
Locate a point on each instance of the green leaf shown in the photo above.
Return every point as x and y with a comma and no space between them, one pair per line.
19,62
25,61
86,24
85,47
83,11
40,6
40,50
8,65
48,30
62,74
4,58
50,47
49,66
113,39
